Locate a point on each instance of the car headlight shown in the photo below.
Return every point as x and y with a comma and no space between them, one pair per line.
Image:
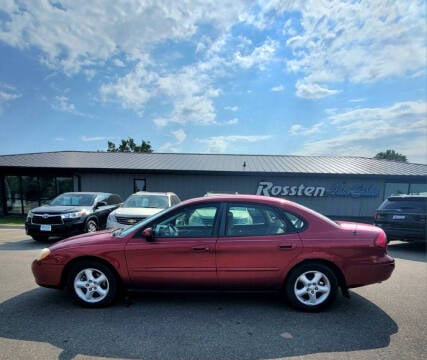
43,254
75,215
30,215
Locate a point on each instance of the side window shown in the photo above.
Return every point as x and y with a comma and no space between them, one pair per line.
103,197
188,223
298,223
255,220
174,200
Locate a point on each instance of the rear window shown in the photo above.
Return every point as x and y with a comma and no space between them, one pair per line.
404,204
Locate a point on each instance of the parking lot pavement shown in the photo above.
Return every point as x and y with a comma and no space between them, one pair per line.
382,321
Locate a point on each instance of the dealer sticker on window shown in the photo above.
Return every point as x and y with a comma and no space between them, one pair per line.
45,227
399,217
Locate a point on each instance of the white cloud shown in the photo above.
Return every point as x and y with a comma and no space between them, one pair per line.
278,88
358,41
300,130
232,108
180,135
313,91
92,138
367,131
259,56
133,89
81,34
220,144
8,93
62,104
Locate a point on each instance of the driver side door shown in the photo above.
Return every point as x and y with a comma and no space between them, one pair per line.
181,252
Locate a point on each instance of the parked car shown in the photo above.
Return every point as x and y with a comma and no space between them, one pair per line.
230,242
403,217
71,213
139,206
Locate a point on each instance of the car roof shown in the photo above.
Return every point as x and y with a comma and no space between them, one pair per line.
408,197
85,193
152,193
239,197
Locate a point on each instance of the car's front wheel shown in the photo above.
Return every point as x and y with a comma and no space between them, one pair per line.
91,226
92,284
311,287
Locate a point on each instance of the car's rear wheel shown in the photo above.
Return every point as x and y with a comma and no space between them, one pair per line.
91,226
311,287
92,284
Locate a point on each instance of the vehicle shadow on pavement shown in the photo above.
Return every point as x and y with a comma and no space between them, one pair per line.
194,326
408,251
25,244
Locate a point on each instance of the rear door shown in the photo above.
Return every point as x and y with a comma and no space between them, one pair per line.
257,244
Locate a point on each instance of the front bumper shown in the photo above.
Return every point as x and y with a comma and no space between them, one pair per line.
66,229
47,274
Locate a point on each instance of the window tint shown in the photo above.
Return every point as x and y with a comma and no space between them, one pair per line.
174,200
405,205
255,220
298,223
73,200
188,222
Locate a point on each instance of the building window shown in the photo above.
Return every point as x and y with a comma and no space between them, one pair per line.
22,193
404,189
139,185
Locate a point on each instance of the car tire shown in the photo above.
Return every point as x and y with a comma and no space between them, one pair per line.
91,226
311,287
92,284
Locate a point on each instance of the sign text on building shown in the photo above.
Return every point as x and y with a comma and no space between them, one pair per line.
267,188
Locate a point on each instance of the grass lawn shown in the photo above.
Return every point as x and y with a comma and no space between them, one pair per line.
12,220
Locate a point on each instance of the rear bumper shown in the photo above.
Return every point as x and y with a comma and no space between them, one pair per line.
415,233
370,273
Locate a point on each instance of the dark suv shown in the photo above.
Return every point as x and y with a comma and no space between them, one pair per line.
71,213
403,217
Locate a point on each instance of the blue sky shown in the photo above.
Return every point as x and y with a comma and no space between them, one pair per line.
242,77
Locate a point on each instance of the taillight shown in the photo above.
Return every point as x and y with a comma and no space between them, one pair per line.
381,240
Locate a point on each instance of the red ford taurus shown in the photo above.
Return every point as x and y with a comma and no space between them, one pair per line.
226,242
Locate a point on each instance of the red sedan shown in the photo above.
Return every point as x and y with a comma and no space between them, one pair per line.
227,242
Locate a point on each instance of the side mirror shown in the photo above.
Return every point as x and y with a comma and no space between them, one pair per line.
148,234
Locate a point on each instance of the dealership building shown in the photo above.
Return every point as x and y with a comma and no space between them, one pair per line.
340,187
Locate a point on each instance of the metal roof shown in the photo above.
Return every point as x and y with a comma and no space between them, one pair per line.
224,163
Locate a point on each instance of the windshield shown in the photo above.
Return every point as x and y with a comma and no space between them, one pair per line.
146,201
73,200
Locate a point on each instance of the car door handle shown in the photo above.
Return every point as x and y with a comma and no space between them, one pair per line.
200,249
285,247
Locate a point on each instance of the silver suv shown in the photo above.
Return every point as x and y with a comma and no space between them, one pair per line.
139,206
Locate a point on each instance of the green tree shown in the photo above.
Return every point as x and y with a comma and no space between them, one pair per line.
129,145
391,155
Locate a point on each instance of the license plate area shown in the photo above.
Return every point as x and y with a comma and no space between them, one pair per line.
45,227
399,217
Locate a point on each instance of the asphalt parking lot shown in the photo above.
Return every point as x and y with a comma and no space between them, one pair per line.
382,321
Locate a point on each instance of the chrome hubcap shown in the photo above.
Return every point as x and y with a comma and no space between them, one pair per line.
312,288
91,285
